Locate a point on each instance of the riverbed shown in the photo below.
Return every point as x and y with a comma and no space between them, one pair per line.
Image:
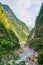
24,54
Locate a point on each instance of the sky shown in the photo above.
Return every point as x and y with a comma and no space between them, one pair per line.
25,10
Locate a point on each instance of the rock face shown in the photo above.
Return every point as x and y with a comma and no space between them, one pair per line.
32,57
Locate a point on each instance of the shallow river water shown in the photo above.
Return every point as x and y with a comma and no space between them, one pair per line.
26,52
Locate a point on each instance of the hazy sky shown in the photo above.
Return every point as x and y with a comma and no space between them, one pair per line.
25,10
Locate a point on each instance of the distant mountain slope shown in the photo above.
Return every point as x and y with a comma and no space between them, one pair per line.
19,28
10,12
31,35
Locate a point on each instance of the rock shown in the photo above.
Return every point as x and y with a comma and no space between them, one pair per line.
28,59
35,54
32,58
21,50
35,60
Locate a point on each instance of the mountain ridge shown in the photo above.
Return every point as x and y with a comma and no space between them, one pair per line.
37,40
20,28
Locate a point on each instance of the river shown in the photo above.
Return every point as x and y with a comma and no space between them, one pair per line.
24,54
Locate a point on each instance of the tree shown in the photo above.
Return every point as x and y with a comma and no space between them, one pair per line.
40,57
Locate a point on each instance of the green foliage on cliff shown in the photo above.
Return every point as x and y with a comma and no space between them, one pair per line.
37,41
12,30
8,40
40,57
39,28
21,63
20,29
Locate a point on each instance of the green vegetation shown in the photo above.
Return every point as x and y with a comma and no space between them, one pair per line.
21,63
19,28
8,40
40,57
38,37
36,44
12,30
37,40
31,36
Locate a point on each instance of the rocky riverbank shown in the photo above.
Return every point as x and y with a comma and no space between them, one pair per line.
28,55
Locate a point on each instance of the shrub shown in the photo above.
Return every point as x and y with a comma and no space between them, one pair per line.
7,45
40,57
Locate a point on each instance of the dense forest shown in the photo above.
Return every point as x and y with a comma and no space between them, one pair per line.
9,40
13,32
19,27
37,40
